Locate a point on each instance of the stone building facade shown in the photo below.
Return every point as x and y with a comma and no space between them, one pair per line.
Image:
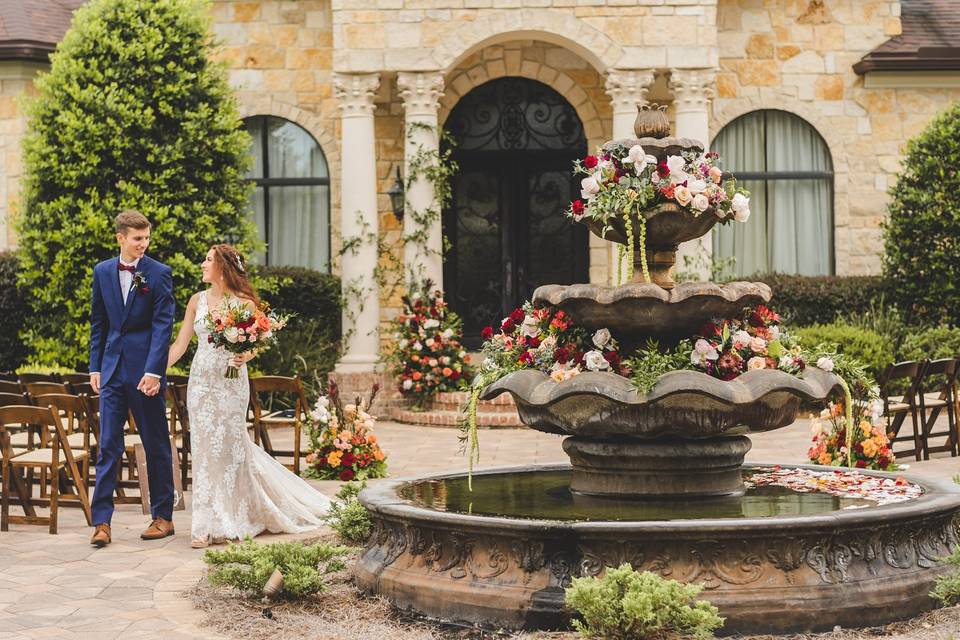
355,74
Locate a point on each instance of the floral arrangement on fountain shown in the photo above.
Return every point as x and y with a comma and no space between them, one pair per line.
622,182
428,356
342,442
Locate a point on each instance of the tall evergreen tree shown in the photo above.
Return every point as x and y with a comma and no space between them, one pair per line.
132,114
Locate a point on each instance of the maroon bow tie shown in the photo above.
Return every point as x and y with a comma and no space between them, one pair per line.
126,267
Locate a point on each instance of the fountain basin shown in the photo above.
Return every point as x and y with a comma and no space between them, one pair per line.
789,571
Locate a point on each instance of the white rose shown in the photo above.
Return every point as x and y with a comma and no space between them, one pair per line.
589,187
756,362
741,215
530,327
430,343
825,363
231,334
740,202
682,195
408,384
403,343
432,323
655,178
433,362
741,339
595,361
696,186
774,332
699,202
676,164
417,346
448,333
601,338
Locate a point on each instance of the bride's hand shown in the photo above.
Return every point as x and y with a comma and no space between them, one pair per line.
241,359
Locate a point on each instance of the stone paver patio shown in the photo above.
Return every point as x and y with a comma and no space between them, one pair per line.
61,587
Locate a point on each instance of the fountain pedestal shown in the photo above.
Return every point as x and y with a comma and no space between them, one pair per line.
658,469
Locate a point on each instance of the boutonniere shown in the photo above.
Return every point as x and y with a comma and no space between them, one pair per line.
140,283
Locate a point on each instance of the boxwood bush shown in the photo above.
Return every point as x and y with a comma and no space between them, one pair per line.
875,351
807,300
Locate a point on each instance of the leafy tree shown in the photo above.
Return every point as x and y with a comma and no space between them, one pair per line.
922,234
132,114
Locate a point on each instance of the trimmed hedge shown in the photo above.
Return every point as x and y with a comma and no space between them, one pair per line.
14,311
808,300
935,343
875,351
310,345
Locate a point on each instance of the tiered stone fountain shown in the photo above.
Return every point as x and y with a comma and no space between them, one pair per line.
655,480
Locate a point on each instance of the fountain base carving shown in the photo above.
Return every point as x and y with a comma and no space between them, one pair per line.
657,469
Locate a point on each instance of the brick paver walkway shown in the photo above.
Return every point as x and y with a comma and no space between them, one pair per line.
61,587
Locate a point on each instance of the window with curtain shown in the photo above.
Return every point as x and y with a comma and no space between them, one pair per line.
786,166
291,200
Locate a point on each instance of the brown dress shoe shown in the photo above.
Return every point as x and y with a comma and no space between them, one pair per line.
158,529
101,536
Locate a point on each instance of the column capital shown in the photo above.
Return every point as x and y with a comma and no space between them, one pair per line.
692,88
421,92
356,92
628,88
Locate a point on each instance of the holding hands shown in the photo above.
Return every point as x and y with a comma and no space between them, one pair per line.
149,385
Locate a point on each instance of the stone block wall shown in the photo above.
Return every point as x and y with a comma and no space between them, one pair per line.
16,83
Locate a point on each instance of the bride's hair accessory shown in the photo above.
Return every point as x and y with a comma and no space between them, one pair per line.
239,263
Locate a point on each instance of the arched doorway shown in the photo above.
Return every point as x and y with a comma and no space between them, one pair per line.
516,143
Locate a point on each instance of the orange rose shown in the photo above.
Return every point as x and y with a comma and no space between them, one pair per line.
371,438
378,454
263,322
447,371
417,375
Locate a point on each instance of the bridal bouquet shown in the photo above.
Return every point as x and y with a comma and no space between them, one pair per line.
237,329
343,445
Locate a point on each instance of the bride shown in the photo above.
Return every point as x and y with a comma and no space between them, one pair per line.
238,488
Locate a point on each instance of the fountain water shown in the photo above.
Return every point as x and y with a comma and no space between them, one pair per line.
656,480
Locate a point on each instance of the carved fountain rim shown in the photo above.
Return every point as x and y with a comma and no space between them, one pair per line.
939,498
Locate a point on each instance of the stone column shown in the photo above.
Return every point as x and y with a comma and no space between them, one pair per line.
358,221
423,250
627,89
692,91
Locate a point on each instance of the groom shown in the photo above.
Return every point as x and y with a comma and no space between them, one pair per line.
131,320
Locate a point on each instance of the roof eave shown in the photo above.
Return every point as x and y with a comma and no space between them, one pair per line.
26,50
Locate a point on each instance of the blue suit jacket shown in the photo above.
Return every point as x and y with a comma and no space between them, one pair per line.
139,331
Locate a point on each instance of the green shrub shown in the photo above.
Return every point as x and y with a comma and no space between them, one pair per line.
247,566
132,114
310,345
347,517
629,604
922,234
870,348
14,310
806,300
947,587
933,343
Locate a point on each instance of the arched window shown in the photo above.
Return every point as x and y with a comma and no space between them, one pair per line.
786,166
291,200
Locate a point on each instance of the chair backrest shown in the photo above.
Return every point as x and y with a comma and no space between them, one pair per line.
278,385
73,410
43,388
39,377
9,386
8,399
179,417
44,419
910,370
9,376
72,378
78,388
939,376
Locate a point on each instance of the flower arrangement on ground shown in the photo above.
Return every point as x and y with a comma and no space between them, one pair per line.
623,182
428,356
342,442
237,328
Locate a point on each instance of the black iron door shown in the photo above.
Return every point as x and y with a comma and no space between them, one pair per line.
506,227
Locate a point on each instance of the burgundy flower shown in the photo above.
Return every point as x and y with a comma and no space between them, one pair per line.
507,326
487,333
348,459
347,475
590,162
526,358
533,342
709,330
561,355
861,464
517,316
662,169
578,207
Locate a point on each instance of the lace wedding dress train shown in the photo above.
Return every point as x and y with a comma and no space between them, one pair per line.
238,488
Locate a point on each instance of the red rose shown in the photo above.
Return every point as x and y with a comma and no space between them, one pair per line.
487,333
561,356
612,358
578,207
348,459
533,343
507,326
517,316
883,462
662,169
590,162
347,475
861,464
526,358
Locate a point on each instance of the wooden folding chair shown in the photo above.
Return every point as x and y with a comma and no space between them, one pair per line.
10,386
52,456
75,378
180,428
43,388
896,408
130,441
38,377
81,388
265,419
73,417
936,394
9,376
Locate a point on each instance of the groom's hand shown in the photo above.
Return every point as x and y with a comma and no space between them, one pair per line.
149,385
95,382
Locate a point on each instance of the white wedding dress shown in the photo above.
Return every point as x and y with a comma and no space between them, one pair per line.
238,488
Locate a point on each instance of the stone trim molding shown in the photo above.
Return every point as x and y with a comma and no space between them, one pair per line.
356,92
628,88
692,88
555,27
420,92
